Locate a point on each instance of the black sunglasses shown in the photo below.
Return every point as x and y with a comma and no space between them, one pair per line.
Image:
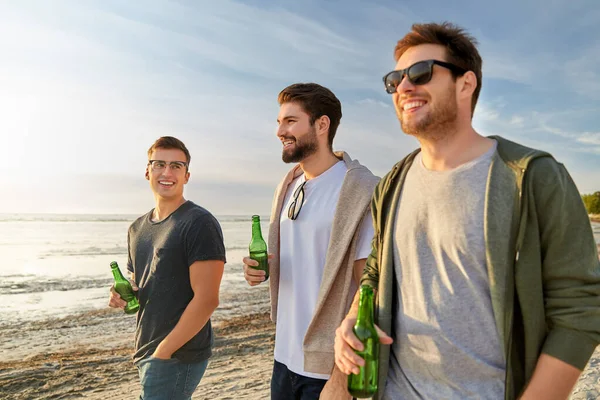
296,204
418,74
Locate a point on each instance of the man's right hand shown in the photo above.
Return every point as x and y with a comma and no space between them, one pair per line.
115,300
346,341
252,275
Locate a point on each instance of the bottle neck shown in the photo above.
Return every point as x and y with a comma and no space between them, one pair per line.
256,232
365,308
117,274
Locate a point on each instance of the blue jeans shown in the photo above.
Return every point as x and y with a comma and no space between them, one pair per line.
288,385
169,379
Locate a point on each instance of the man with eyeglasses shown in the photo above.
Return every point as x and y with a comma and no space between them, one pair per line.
484,261
176,258
319,235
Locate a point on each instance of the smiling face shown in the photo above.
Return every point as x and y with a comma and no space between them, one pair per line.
426,111
298,136
167,179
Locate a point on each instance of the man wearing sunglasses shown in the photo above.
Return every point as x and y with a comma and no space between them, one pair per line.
320,234
176,257
484,261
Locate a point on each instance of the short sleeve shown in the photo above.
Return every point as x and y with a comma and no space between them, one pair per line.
204,240
365,236
129,260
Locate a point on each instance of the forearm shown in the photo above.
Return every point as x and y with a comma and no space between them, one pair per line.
194,317
552,379
353,312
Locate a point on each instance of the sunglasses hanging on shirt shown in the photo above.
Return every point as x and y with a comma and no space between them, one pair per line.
296,204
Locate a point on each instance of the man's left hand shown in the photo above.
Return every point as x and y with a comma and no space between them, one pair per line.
162,354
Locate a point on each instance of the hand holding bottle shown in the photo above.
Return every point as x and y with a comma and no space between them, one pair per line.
256,266
252,274
122,293
115,300
346,342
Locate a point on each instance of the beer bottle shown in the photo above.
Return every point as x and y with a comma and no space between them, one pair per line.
258,247
364,385
123,287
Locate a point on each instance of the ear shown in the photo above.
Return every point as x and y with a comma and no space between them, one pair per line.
187,177
468,85
322,125
147,174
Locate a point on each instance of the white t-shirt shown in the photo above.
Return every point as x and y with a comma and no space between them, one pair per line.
303,248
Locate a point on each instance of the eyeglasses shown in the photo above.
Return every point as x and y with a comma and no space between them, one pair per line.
418,74
159,165
296,204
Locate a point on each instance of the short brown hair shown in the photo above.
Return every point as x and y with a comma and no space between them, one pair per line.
460,47
316,101
169,142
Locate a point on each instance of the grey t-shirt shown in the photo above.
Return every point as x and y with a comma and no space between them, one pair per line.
160,255
446,344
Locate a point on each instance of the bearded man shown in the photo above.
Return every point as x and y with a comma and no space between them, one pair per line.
319,236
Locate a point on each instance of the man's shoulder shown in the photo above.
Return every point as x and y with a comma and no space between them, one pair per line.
361,175
542,168
138,222
546,173
192,208
194,213
520,156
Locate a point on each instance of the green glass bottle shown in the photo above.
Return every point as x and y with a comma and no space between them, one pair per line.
123,287
258,247
364,385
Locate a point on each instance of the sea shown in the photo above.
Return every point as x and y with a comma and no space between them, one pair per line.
52,266
55,265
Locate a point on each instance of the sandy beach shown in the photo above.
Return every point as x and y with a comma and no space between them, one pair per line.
101,367
89,355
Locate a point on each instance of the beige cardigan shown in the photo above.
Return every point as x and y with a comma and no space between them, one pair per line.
335,292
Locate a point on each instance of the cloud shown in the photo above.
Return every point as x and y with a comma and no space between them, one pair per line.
582,73
574,137
265,43
589,138
374,102
517,120
89,86
487,113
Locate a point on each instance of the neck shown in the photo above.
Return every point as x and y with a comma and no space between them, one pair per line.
365,308
453,149
166,207
315,164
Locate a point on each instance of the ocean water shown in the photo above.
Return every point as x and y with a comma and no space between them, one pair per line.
52,266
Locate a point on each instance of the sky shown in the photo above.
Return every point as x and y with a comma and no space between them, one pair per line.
87,86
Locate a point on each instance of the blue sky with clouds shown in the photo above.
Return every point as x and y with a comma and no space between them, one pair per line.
87,86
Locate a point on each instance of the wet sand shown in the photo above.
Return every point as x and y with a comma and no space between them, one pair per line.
89,356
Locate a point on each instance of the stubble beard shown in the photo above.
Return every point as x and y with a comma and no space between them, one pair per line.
437,124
